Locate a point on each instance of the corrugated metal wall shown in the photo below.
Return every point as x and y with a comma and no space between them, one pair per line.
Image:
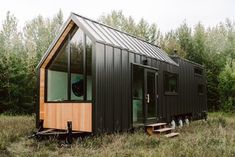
112,91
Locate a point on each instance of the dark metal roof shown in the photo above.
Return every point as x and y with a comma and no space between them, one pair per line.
106,34
102,33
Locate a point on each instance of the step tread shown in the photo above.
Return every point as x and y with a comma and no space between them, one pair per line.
163,130
155,124
172,134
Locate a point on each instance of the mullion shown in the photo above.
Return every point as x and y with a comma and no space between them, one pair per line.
84,67
69,69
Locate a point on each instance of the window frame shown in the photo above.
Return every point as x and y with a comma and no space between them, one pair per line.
68,39
203,89
165,82
198,69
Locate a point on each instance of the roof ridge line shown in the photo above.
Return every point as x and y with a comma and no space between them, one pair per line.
115,29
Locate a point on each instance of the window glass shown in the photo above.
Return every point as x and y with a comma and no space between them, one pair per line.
77,73
171,83
76,48
198,71
200,89
57,73
89,67
138,95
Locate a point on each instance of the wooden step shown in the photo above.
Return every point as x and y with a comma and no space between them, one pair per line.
172,134
155,125
150,128
163,130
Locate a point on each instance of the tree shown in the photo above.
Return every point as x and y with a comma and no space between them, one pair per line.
38,35
227,87
12,64
170,43
20,52
184,36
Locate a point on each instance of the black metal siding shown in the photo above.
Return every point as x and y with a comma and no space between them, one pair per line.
113,97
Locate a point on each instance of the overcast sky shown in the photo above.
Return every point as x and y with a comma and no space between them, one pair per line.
167,14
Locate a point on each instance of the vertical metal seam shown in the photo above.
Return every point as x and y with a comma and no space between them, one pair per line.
110,34
120,41
93,29
104,87
137,50
129,102
156,52
131,43
138,43
121,94
100,32
163,55
94,102
130,47
113,89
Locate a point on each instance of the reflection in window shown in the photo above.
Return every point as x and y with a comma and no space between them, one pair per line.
170,83
72,66
89,67
198,71
137,100
77,73
57,73
200,89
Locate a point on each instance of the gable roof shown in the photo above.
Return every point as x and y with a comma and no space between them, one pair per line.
102,33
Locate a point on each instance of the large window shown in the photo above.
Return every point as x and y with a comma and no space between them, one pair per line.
69,73
57,76
170,83
77,61
88,68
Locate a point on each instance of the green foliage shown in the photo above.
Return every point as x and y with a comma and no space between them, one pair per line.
227,88
180,40
20,52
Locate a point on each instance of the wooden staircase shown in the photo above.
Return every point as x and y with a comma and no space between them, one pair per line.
160,129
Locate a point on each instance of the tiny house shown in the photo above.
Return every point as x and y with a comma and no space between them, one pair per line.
101,79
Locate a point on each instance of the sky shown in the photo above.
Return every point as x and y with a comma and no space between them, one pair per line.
167,14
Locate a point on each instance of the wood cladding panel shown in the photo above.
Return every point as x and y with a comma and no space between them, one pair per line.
41,93
58,114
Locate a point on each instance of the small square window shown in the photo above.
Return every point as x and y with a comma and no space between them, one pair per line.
200,89
171,83
198,71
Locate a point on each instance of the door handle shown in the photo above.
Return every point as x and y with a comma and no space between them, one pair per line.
147,98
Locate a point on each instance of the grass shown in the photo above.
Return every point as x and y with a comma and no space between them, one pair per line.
215,137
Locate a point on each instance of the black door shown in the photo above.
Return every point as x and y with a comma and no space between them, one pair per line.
150,92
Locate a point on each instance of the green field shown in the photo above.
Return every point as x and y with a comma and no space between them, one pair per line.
215,137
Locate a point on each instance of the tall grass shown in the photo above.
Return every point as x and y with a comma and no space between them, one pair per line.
12,128
215,137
